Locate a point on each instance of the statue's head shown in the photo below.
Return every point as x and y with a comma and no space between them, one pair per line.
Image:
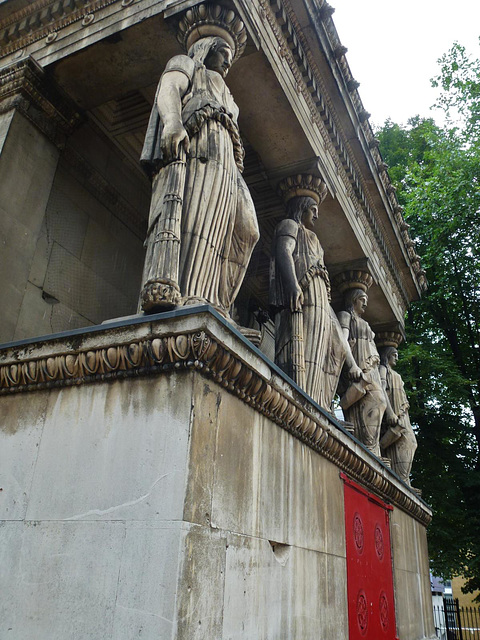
303,194
214,52
303,209
388,356
356,301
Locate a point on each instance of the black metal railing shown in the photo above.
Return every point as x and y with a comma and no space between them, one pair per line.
453,622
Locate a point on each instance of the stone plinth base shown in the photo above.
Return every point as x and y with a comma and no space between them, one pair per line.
162,479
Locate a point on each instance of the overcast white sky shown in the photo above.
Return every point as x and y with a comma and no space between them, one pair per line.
393,48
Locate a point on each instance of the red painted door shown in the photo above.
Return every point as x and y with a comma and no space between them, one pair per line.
371,606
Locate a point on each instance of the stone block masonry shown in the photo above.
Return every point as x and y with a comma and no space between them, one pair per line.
162,479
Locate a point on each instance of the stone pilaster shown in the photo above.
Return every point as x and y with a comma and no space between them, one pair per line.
26,88
35,119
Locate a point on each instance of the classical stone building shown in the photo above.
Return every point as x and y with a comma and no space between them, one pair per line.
161,477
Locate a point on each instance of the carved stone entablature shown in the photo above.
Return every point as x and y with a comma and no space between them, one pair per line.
25,86
389,335
340,51
43,18
198,340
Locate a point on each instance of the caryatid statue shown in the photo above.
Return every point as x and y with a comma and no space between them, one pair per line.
202,225
398,442
309,345
363,400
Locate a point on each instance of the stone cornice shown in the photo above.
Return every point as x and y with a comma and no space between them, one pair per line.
294,44
198,340
43,18
24,85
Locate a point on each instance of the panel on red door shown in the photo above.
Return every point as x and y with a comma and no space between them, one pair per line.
371,607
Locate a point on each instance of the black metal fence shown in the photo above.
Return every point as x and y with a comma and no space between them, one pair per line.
453,622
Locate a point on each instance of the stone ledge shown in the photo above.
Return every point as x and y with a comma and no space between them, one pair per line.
198,339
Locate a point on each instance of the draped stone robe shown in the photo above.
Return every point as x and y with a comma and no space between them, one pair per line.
312,278
218,224
367,413
402,451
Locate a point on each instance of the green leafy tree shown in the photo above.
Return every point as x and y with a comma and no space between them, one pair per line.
437,171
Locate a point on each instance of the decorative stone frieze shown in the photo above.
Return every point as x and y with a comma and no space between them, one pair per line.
25,86
42,18
202,341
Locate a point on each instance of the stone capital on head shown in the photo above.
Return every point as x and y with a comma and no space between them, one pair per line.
212,20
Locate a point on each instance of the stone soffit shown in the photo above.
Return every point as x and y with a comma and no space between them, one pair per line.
197,339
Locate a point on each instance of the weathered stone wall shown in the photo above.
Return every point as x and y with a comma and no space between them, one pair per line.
112,490
74,241
168,507
413,598
28,161
278,508
93,485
